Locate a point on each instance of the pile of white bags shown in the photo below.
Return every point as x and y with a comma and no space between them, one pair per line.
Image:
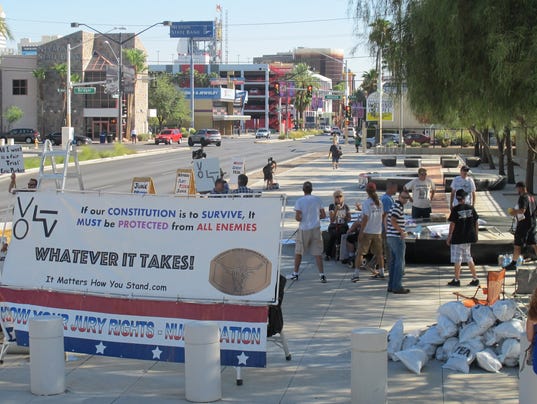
489,335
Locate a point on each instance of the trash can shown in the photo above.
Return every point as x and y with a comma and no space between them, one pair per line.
47,362
110,138
102,138
202,362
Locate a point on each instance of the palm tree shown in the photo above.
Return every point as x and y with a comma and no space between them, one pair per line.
137,59
369,81
4,29
302,78
40,75
61,69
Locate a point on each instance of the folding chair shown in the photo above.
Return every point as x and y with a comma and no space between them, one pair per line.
495,287
8,339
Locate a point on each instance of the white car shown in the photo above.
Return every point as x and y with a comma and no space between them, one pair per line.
262,133
351,132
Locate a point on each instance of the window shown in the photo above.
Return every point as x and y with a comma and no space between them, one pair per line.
20,87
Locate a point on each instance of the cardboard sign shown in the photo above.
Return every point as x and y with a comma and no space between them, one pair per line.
237,167
143,185
11,160
206,172
184,182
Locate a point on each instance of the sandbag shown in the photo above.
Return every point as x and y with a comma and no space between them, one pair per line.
456,311
509,329
446,327
409,341
510,350
504,310
483,316
489,337
470,331
414,359
463,356
444,351
488,361
395,338
431,336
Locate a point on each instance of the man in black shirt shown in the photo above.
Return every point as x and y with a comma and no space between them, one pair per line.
463,229
524,212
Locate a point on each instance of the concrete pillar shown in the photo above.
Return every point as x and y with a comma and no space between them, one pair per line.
47,363
369,365
203,381
527,380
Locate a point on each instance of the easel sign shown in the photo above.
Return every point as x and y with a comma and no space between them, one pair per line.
11,160
206,172
142,186
184,182
237,167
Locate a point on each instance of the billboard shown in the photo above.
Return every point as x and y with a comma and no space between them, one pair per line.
372,113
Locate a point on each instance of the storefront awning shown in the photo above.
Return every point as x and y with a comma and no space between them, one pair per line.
231,117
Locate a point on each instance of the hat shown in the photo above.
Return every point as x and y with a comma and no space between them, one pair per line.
465,168
371,186
461,194
520,184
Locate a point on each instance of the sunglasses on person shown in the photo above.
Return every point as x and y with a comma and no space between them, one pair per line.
338,196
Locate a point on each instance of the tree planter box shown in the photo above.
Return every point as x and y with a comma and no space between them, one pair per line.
412,162
450,163
473,161
389,161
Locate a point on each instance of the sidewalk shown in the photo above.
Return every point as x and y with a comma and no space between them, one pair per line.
319,319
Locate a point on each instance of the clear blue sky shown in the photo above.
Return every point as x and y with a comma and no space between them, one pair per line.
254,27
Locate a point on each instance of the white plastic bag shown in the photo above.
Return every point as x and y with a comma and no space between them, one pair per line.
395,338
510,350
444,351
456,311
414,359
504,310
463,356
488,361
509,329
446,327
431,336
489,337
483,316
409,341
470,331
429,349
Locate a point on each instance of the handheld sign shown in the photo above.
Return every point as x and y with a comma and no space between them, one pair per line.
143,185
206,171
184,182
237,167
11,160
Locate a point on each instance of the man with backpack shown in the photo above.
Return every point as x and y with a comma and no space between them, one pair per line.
524,213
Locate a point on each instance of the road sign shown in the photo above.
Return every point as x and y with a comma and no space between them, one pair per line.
192,29
353,97
85,90
332,97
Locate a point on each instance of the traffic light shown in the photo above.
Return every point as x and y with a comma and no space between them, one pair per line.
348,113
277,88
309,90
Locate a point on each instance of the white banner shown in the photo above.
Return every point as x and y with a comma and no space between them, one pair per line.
218,249
206,172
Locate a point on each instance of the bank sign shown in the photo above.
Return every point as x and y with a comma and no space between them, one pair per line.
197,30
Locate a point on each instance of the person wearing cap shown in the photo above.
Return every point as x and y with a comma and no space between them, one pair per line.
395,238
422,189
465,182
308,212
524,213
340,216
463,231
370,236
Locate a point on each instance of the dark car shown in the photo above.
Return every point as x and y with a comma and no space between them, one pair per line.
168,136
56,139
25,135
205,137
416,137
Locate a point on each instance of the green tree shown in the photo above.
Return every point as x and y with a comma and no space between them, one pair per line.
13,114
40,75
172,109
302,78
61,71
4,29
137,59
369,81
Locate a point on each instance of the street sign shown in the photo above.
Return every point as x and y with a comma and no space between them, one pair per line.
192,29
353,97
85,90
332,97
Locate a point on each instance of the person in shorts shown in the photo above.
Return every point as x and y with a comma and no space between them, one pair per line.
309,211
463,230
422,189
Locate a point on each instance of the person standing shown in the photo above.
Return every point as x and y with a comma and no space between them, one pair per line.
422,189
335,152
370,236
463,230
524,213
340,215
308,212
387,203
395,238
465,182
134,136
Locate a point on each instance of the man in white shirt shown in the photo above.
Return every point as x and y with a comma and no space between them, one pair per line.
422,189
465,182
308,212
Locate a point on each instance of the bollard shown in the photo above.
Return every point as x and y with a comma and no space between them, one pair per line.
47,363
202,362
527,379
369,365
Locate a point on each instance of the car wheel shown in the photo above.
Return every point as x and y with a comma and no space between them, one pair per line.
368,145
190,142
180,140
168,142
79,142
28,140
156,142
203,142
218,144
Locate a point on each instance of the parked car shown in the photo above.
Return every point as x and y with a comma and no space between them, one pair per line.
56,139
335,131
205,137
390,138
416,137
351,132
262,133
168,136
327,130
22,135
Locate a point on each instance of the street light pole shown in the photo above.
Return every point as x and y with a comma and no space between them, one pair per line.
68,87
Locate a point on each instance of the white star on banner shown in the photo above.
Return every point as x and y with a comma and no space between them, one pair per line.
100,348
242,358
156,353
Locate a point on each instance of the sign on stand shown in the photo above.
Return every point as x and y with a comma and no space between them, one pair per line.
184,182
142,186
206,172
236,167
11,159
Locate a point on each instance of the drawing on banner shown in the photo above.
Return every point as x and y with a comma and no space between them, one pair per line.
240,272
184,182
142,186
206,172
237,167
11,159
